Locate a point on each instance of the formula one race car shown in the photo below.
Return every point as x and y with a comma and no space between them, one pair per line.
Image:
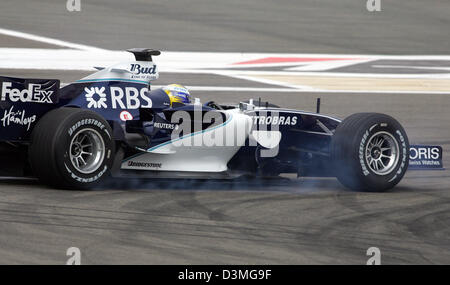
111,123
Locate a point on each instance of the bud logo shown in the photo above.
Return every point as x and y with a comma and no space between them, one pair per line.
93,102
34,93
138,69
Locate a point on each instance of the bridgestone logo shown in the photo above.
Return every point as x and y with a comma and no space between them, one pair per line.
87,180
144,164
86,122
361,153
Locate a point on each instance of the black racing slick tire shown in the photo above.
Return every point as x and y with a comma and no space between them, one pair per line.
370,152
71,148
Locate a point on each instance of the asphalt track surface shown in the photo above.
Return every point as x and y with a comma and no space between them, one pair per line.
308,26
285,221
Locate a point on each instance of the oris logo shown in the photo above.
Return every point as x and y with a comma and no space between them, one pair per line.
34,93
425,157
424,153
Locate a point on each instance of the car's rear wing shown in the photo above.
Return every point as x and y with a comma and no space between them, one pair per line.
144,54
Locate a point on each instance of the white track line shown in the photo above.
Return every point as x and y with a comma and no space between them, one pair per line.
292,90
266,81
46,40
83,57
413,67
173,62
249,73
227,88
237,89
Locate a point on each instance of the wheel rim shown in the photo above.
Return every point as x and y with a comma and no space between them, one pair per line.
87,150
382,153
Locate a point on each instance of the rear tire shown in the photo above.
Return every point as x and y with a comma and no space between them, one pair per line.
370,152
71,148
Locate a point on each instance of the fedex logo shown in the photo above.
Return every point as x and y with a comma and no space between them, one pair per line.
34,93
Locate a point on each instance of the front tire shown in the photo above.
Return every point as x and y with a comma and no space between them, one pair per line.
370,152
71,148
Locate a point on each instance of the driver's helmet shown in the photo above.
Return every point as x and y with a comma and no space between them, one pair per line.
178,94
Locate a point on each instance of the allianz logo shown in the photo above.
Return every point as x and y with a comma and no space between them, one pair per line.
138,69
34,93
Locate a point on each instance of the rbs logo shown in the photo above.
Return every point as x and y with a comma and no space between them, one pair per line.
119,98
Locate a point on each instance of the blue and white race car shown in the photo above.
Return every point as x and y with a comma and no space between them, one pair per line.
111,124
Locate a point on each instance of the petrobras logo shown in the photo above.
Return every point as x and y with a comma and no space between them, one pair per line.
275,120
34,93
119,98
